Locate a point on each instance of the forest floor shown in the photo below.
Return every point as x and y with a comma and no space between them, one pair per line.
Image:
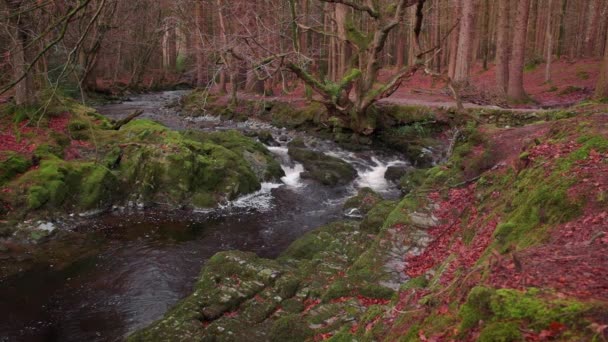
572,82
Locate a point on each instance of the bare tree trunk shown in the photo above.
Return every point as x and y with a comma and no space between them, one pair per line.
515,90
549,36
23,89
601,89
592,26
224,65
465,39
485,41
198,43
454,48
562,29
502,46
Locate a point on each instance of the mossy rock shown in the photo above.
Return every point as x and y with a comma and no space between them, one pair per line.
501,332
364,201
13,165
290,328
375,218
326,169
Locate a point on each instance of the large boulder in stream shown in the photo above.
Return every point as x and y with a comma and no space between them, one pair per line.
326,169
143,163
395,173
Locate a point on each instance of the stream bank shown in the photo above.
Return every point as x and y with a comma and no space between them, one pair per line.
103,274
506,241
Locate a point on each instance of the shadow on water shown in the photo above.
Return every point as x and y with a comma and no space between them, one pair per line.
141,263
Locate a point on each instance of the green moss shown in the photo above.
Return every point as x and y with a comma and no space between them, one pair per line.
376,291
375,218
339,288
293,305
501,332
13,165
48,150
37,197
365,200
290,328
415,283
476,308
203,200
529,305
98,188
77,125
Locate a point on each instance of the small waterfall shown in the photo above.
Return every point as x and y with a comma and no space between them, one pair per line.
292,170
374,177
261,200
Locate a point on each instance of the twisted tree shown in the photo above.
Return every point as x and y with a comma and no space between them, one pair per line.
358,89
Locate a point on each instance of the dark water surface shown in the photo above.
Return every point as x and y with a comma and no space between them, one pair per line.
142,263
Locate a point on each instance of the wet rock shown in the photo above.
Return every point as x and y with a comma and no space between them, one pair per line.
395,173
361,204
422,220
266,138
326,169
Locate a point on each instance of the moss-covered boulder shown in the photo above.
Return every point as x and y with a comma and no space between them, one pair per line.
142,163
326,169
235,290
362,203
12,165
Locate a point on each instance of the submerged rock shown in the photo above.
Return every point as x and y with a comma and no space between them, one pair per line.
326,169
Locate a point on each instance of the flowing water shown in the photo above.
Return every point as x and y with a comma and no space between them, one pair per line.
142,262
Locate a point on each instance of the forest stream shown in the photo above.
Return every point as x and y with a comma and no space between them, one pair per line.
143,261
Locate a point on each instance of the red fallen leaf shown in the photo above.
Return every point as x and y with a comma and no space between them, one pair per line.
341,300
444,309
231,314
372,301
310,304
354,328
323,337
422,337
557,327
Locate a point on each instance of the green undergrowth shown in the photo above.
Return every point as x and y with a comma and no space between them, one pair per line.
501,314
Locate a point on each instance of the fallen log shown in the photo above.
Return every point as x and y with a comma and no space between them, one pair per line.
126,120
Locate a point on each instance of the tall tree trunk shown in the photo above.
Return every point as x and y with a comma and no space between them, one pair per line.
485,41
24,87
198,43
601,89
224,66
465,42
592,26
456,10
515,90
561,40
502,46
549,37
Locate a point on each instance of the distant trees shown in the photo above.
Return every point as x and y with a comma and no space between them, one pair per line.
350,52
